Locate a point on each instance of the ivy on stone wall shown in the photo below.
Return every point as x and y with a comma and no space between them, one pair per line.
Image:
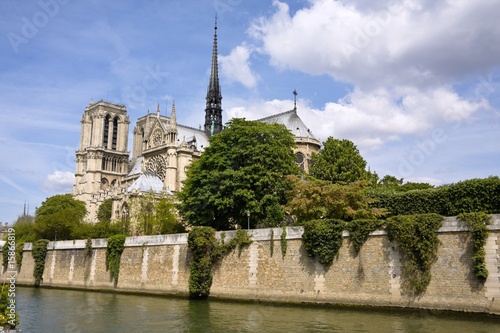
359,230
206,251
88,248
417,236
323,239
5,255
283,242
39,253
19,255
114,251
477,223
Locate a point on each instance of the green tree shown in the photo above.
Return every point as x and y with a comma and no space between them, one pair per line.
393,184
105,211
166,220
311,199
391,181
242,170
58,216
25,229
156,213
339,161
410,186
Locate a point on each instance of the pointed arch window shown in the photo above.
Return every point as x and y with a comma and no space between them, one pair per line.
115,133
106,131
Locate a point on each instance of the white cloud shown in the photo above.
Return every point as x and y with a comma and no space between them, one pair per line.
372,119
235,67
429,180
59,182
411,43
402,58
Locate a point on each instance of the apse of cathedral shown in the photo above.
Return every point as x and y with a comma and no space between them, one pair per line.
162,148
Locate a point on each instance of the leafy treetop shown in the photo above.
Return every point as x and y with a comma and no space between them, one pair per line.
339,161
59,214
242,170
105,211
156,213
311,199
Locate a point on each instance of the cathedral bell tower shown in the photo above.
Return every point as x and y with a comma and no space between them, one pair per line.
102,160
213,110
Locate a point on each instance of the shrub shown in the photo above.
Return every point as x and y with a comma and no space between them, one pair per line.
474,195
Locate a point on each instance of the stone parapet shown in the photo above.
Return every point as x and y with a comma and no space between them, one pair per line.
263,271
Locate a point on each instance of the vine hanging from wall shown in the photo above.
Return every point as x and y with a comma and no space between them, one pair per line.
17,249
19,255
114,251
359,230
417,236
323,239
88,248
5,255
39,253
478,225
206,251
283,242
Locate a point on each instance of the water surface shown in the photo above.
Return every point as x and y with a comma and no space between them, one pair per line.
70,311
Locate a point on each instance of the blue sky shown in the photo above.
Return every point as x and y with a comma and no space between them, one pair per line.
414,84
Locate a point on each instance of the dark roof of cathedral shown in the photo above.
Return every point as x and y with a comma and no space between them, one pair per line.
292,121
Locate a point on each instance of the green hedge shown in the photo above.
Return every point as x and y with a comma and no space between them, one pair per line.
474,195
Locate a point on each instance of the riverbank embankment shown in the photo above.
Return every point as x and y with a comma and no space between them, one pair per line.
263,271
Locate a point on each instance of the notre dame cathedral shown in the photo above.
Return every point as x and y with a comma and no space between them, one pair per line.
162,149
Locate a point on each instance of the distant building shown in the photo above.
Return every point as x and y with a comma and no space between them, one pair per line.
162,149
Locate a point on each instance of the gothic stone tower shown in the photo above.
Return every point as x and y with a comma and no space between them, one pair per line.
213,109
102,160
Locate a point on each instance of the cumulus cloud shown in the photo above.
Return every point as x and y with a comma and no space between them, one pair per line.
402,58
372,119
59,182
235,67
416,42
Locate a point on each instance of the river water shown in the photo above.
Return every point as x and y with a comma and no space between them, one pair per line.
69,311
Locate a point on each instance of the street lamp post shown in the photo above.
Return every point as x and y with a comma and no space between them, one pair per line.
248,215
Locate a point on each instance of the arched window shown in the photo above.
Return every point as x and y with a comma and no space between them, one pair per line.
300,160
106,131
115,133
104,183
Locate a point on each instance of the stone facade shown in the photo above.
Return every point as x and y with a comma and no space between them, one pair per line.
162,149
160,264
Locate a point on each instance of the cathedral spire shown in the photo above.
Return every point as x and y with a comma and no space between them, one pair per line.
213,110
173,117
295,99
